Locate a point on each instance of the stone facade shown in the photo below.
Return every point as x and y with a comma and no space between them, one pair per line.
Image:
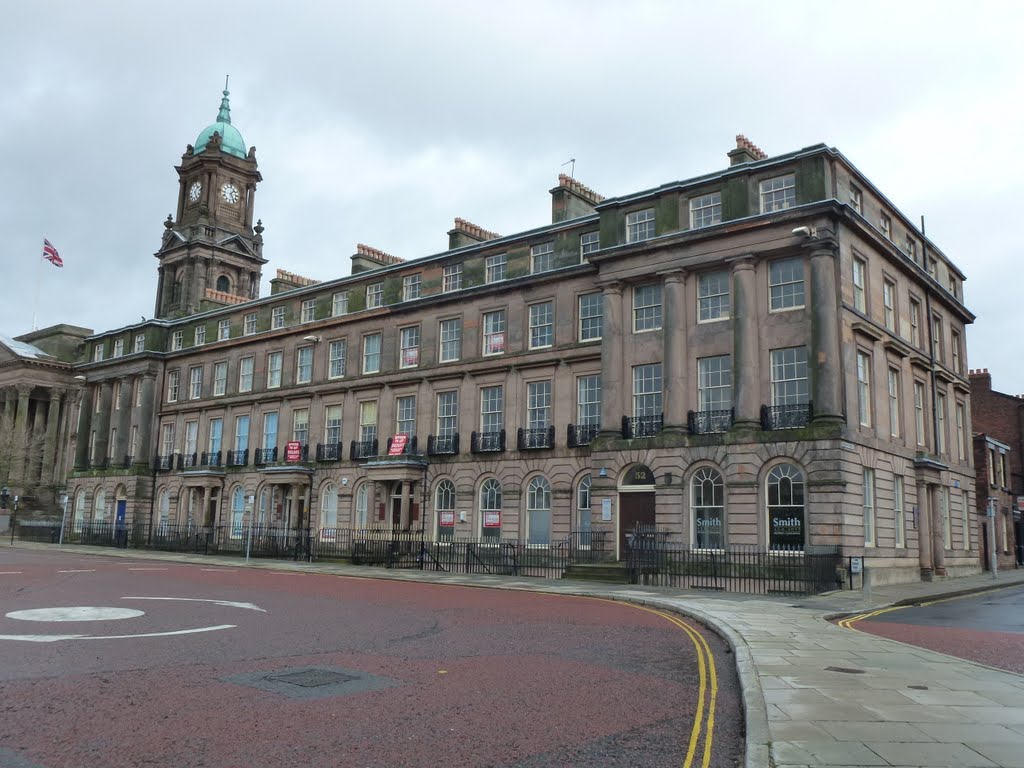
769,355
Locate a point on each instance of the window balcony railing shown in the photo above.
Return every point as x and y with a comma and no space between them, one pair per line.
785,416
642,426
127,461
164,463
535,439
487,442
264,456
238,458
212,459
188,461
102,463
709,422
410,448
442,445
329,452
363,449
579,435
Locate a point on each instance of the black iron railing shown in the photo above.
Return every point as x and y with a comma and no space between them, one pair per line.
487,442
709,422
653,561
238,458
264,456
127,461
188,460
363,449
642,426
535,439
329,452
164,463
579,435
785,416
212,459
442,445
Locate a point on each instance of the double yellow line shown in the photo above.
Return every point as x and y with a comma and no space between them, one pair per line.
848,622
707,696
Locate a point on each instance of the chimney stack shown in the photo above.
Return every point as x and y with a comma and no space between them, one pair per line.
746,151
467,233
570,199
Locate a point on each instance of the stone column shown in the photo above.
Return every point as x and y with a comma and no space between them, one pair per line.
49,469
23,436
36,444
746,346
406,508
84,428
124,420
145,419
161,286
826,354
612,405
938,529
102,426
924,531
675,352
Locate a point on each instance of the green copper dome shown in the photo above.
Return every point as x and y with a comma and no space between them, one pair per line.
231,140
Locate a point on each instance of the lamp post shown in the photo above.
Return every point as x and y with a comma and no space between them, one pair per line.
63,517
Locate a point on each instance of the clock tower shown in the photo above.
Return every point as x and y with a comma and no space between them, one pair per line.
211,254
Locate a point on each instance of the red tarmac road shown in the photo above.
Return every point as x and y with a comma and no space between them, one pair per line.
987,628
336,671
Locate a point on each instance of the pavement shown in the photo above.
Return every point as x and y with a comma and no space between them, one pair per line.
814,694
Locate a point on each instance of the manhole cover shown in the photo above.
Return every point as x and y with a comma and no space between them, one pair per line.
845,670
313,678
313,682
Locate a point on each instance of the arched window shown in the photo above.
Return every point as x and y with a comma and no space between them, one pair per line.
538,511
164,508
224,284
444,506
264,504
583,510
361,519
490,509
329,512
80,509
708,505
237,512
785,494
99,507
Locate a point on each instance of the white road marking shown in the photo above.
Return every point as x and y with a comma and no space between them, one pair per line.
83,570
55,638
147,569
218,570
75,613
226,603
9,573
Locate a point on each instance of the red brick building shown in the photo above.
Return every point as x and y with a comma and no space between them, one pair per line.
999,466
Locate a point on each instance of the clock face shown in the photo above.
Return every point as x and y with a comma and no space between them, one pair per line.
194,191
230,193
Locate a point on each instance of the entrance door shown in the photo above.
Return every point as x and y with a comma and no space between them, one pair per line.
119,526
634,509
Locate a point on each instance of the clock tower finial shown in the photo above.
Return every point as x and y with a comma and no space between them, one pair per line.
224,114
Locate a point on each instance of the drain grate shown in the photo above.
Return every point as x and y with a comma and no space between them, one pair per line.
313,678
313,682
845,670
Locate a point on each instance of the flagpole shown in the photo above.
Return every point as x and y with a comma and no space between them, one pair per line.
35,301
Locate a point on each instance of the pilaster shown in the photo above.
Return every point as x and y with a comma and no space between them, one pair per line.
612,406
675,352
746,345
825,347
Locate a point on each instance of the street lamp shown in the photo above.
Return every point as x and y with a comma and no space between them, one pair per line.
63,517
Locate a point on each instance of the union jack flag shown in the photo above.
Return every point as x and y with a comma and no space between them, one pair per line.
51,255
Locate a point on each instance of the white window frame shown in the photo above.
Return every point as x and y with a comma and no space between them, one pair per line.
778,193
870,523
786,290
447,423
452,278
864,410
140,343
304,364
714,383
249,324
371,356
494,332
173,386
195,382
539,399
790,376
542,257
449,340
648,388
405,415
856,199
277,318
339,304
411,287
223,330
893,384
713,296
308,311
899,511
647,307
177,342
542,325
919,420
889,303
246,373
337,352
495,268
375,295
409,347
590,242
119,344
220,378
640,225
860,298
587,317
706,210
275,368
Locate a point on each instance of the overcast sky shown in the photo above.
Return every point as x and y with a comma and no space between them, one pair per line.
380,122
